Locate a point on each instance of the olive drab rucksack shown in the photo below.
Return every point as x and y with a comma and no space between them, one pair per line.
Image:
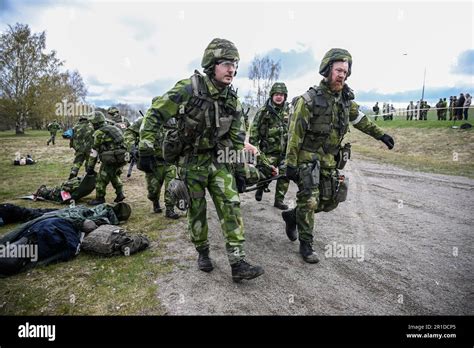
111,240
195,121
113,153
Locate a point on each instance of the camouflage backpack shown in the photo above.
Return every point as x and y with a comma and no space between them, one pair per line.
110,240
113,153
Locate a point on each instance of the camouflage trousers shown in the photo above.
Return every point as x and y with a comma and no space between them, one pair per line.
108,174
201,174
52,138
79,159
50,193
54,193
310,201
282,183
154,182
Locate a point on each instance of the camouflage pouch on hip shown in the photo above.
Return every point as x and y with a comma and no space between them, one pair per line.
310,175
117,157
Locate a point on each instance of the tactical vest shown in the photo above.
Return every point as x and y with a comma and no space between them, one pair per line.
115,134
203,123
323,122
268,134
206,121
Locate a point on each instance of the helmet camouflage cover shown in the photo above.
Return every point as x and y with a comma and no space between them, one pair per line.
219,49
122,210
335,55
112,110
97,117
278,87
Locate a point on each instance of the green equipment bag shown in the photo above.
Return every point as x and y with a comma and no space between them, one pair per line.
111,240
117,157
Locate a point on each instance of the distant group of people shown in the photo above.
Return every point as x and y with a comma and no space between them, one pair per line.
458,109
418,111
387,111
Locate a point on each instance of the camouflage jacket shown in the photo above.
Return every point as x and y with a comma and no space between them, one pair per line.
53,127
180,101
81,140
303,122
132,137
76,215
269,129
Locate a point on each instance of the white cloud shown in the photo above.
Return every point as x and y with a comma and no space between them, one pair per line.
126,44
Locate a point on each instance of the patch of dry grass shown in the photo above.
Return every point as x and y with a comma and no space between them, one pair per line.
87,285
437,150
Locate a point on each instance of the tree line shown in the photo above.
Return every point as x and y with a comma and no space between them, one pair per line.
31,80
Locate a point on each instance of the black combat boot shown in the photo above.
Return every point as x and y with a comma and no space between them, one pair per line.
243,270
204,261
97,201
156,207
259,195
306,250
280,205
171,214
290,220
72,175
120,197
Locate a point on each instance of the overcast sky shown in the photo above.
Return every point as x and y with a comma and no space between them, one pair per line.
130,52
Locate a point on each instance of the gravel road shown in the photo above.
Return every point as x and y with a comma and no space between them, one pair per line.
414,236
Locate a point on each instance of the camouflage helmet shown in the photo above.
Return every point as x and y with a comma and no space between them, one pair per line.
97,117
278,87
112,110
178,190
335,55
122,210
218,49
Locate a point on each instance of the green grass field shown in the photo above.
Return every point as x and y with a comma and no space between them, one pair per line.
430,146
88,284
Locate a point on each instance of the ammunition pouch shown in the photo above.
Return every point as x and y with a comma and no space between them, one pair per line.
332,191
116,157
343,156
173,146
309,174
224,126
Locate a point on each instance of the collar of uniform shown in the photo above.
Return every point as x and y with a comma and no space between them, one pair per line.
277,108
214,92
